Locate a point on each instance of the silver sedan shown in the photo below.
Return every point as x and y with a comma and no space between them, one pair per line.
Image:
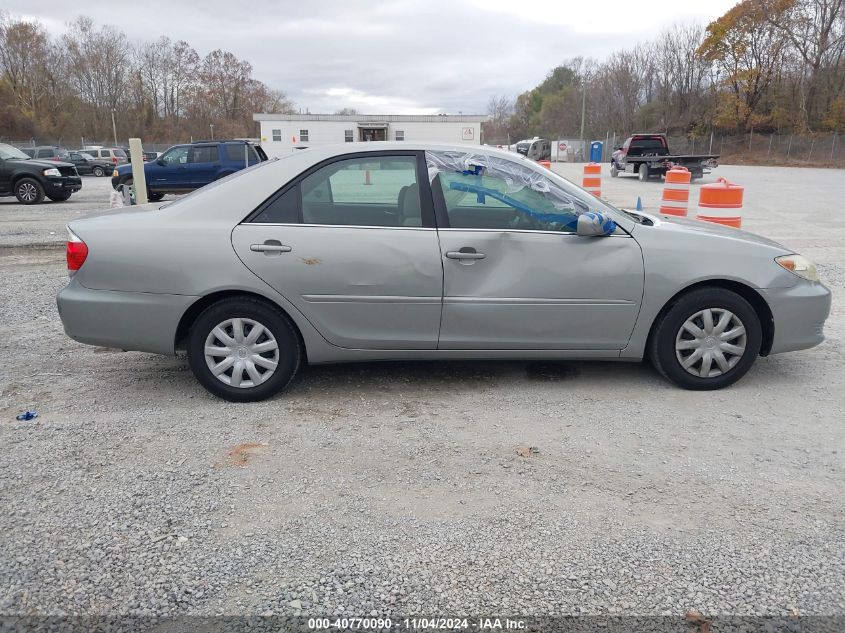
409,251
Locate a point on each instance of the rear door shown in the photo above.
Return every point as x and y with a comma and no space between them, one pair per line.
203,165
352,245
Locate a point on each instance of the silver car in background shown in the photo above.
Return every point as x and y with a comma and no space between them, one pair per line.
402,251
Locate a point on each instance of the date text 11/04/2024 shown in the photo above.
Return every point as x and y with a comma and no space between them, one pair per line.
422,623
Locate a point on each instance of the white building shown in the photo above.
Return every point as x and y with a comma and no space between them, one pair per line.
284,133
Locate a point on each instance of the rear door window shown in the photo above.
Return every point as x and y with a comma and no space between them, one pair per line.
105,153
119,153
372,191
204,154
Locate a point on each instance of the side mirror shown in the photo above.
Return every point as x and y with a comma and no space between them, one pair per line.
594,224
161,162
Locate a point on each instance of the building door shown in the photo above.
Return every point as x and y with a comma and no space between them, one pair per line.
373,134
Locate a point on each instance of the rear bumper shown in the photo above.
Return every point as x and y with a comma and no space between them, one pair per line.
799,314
139,321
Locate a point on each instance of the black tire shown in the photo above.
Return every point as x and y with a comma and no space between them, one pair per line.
29,191
662,345
644,172
59,197
98,171
274,320
614,170
154,197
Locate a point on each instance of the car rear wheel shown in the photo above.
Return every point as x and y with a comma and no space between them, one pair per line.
243,350
644,172
98,171
707,340
614,171
154,197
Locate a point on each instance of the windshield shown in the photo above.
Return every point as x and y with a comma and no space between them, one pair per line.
7,151
86,156
119,153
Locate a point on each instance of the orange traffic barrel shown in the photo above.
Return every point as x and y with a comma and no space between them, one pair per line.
545,163
592,179
676,192
721,202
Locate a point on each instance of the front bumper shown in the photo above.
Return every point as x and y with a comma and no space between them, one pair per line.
139,321
62,184
799,314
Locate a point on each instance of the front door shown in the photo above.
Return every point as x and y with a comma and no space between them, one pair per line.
170,171
516,276
352,245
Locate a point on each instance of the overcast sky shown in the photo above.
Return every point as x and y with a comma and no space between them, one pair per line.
399,57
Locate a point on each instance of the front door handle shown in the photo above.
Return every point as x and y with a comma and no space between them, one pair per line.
270,246
465,253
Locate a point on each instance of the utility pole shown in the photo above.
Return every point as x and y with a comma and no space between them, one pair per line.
211,125
113,127
583,109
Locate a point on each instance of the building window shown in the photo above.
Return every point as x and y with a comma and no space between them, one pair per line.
303,136
277,135
400,135
348,136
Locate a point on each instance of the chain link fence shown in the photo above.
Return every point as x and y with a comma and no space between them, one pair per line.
81,143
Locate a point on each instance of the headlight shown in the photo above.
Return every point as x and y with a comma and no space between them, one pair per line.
799,265
52,172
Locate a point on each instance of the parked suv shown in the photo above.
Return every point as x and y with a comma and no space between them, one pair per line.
183,168
47,152
30,179
114,155
87,164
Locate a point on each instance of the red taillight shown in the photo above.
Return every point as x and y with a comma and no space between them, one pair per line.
114,160
77,251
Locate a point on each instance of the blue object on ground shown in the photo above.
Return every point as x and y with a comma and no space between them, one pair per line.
26,416
639,204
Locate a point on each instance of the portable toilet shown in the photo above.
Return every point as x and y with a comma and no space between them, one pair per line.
595,151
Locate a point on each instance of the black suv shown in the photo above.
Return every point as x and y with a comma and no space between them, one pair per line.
87,164
29,180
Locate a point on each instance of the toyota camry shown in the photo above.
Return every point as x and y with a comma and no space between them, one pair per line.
401,251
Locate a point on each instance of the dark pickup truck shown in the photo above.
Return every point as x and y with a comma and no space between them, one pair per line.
648,156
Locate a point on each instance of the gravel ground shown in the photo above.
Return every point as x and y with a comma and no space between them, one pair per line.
396,489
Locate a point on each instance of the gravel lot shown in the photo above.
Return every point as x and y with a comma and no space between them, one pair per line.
396,488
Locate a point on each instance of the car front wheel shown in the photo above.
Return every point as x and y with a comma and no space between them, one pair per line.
29,191
99,171
707,340
243,349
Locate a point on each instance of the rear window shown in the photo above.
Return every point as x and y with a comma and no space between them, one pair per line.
120,153
648,143
62,153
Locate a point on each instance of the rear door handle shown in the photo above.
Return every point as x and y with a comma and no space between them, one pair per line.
465,255
270,248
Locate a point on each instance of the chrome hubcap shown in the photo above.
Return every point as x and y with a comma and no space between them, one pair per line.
241,353
710,342
27,191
